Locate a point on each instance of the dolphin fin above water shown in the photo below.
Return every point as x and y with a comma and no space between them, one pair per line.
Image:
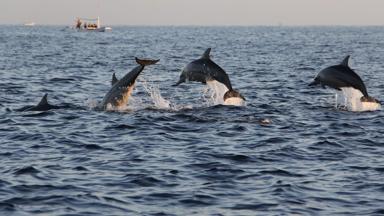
43,101
345,61
114,79
43,105
206,54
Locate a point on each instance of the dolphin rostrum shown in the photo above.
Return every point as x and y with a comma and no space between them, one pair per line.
121,89
43,105
341,75
204,70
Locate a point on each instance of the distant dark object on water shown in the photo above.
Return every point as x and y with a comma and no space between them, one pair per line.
43,105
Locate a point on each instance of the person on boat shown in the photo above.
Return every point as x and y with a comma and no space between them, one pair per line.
78,24
85,25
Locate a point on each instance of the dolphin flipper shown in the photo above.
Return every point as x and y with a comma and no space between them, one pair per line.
43,105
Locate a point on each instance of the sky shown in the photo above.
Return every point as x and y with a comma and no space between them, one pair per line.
195,12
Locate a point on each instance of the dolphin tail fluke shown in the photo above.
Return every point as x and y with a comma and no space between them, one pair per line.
145,62
233,93
369,99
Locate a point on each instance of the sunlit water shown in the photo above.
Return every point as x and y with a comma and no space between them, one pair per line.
178,150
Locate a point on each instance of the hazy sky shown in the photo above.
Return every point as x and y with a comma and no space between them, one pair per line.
196,12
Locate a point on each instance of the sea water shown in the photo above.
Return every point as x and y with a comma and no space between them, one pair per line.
284,153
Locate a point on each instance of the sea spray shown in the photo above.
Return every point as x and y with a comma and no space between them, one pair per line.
155,95
215,92
349,99
158,100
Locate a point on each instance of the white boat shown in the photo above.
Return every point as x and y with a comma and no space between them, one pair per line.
87,24
30,24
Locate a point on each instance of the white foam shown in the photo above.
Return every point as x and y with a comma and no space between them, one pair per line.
158,100
91,103
349,99
154,93
215,92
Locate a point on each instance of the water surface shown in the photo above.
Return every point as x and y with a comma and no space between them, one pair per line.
194,158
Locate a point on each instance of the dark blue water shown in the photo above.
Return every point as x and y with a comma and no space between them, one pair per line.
197,160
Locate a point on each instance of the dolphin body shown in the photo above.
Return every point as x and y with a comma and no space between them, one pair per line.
121,89
43,105
341,75
204,70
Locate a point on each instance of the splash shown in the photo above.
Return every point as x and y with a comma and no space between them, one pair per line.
215,92
349,99
214,95
91,103
158,100
155,95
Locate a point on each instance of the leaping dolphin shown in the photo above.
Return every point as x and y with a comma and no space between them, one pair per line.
121,89
43,105
204,70
341,75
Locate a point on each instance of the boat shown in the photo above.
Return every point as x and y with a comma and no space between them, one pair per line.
30,24
92,25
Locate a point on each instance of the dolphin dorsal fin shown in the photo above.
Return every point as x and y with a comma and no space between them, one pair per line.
114,79
345,61
43,101
206,54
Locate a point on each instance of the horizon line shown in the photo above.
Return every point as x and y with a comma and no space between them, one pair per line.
212,25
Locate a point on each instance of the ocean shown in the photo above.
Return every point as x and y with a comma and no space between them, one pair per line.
175,150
